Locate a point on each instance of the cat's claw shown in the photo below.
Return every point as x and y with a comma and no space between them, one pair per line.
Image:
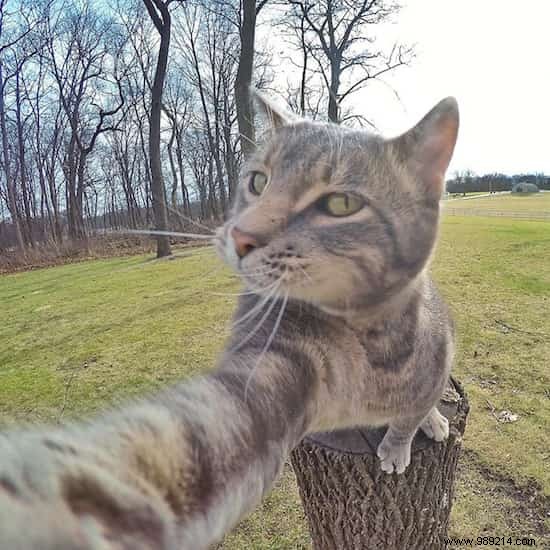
394,457
436,426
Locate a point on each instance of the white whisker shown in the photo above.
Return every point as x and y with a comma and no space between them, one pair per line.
214,271
155,232
258,325
248,291
257,307
308,277
259,271
267,344
191,220
244,293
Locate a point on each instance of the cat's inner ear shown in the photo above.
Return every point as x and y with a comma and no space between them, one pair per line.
428,147
276,115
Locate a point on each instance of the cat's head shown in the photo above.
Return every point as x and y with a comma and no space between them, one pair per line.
336,216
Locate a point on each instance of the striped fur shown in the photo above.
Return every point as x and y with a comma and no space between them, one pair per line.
353,332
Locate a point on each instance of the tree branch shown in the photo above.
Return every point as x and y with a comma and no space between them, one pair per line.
157,21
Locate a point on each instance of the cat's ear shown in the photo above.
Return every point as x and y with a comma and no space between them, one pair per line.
274,113
428,147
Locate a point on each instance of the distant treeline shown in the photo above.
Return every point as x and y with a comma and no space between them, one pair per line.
468,182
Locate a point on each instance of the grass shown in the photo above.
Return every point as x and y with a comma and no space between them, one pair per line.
108,328
506,202
79,336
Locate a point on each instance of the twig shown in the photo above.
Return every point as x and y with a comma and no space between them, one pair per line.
491,408
513,329
68,384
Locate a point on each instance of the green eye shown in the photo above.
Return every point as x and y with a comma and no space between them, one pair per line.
342,204
257,184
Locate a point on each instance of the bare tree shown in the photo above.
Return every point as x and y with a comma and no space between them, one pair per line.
209,49
26,189
83,50
336,35
46,128
177,109
15,51
8,174
159,13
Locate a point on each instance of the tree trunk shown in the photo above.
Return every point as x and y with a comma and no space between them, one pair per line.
351,504
80,189
333,106
70,188
28,232
245,112
157,182
58,229
184,191
174,188
213,212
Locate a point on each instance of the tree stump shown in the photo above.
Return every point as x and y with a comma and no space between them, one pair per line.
351,504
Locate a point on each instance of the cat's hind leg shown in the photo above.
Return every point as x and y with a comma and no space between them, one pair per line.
435,426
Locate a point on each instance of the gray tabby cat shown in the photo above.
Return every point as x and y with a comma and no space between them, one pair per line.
332,231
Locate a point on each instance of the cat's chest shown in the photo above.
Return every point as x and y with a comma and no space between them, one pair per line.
384,374
387,348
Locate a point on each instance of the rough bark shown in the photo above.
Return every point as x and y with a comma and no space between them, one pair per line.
350,503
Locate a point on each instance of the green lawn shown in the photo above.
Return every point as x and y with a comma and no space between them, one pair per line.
505,202
76,337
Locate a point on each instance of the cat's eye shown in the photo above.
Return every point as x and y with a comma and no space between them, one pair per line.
258,182
341,204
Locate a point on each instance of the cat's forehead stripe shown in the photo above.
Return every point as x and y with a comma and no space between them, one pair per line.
312,153
300,141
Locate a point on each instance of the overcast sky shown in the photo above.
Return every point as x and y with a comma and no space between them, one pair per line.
494,57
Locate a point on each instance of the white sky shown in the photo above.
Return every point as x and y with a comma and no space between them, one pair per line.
494,57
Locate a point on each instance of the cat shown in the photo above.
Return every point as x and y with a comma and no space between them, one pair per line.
332,231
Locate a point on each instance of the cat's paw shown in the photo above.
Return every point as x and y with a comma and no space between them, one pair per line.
436,426
54,494
394,457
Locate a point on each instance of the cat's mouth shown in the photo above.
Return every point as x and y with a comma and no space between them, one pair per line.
267,270
272,274
276,273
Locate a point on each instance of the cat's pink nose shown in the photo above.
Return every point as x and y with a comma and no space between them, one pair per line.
244,242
